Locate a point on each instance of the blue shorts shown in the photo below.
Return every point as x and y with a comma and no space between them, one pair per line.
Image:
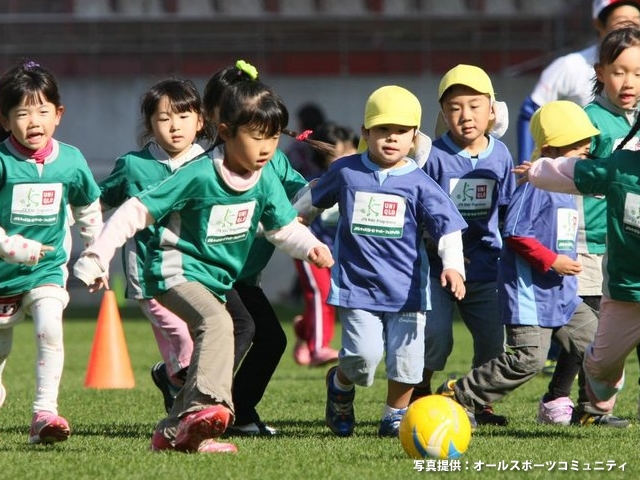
367,336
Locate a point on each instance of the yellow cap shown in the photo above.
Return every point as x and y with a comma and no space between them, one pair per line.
559,124
392,105
469,76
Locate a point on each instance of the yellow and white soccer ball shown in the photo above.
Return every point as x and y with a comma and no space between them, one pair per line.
435,427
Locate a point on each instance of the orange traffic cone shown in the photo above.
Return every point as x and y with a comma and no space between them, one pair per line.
109,363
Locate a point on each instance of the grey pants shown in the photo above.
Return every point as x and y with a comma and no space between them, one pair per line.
210,372
527,351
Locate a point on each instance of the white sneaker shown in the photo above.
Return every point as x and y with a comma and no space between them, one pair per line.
555,412
3,394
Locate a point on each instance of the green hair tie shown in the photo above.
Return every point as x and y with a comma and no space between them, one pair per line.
247,68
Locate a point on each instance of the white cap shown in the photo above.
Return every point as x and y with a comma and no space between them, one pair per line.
600,5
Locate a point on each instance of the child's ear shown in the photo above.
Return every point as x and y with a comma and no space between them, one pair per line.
4,122
599,72
224,132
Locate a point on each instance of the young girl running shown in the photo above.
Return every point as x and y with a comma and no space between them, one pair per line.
42,181
207,215
172,122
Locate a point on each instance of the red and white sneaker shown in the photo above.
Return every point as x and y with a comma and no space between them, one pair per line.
160,443
47,427
323,356
198,426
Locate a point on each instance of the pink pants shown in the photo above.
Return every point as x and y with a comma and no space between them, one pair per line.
617,335
172,336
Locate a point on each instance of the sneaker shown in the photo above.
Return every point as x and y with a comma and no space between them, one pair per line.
447,390
555,412
605,420
47,427
339,413
3,394
419,392
160,443
161,379
208,423
323,356
486,416
301,354
253,429
390,424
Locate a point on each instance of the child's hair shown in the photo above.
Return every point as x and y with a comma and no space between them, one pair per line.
183,96
28,80
256,106
613,44
218,83
332,134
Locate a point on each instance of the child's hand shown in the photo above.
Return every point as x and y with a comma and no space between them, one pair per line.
522,171
44,249
321,257
454,280
89,270
566,265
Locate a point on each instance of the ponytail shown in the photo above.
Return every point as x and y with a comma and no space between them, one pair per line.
323,148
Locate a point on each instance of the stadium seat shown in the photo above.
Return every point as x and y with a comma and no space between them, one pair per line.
399,7
500,7
241,7
139,7
194,7
445,7
342,7
92,7
297,7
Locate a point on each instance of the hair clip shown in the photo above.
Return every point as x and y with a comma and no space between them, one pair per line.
30,64
304,135
247,68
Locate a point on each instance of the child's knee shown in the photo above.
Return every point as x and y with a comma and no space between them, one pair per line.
359,370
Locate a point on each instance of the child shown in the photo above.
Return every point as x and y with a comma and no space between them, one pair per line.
259,338
172,121
618,334
613,111
42,181
207,215
380,281
314,328
475,169
537,287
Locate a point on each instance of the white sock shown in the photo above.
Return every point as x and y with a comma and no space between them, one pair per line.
6,341
387,411
341,386
47,322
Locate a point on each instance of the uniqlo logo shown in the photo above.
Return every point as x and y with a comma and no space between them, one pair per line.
242,216
48,197
481,191
389,209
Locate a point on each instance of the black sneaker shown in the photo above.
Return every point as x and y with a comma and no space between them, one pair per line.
161,380
419,392
253,429
486,416
339,413
605,420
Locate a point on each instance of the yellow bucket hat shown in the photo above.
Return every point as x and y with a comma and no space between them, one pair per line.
392,105
469,76
558,124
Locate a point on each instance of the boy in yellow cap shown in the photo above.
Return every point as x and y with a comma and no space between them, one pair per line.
537,287
380,283
474,168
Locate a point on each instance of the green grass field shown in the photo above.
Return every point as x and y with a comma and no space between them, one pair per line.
111,429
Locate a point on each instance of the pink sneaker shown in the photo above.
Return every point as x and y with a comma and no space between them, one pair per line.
301,353
323,356
160,443
47,427
555,412
204,424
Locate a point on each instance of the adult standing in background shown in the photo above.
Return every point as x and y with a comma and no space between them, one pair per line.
571,76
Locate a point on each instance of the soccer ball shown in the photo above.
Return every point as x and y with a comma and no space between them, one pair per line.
435,427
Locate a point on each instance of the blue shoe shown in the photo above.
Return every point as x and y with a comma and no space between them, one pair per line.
390,425
161,380
339,413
